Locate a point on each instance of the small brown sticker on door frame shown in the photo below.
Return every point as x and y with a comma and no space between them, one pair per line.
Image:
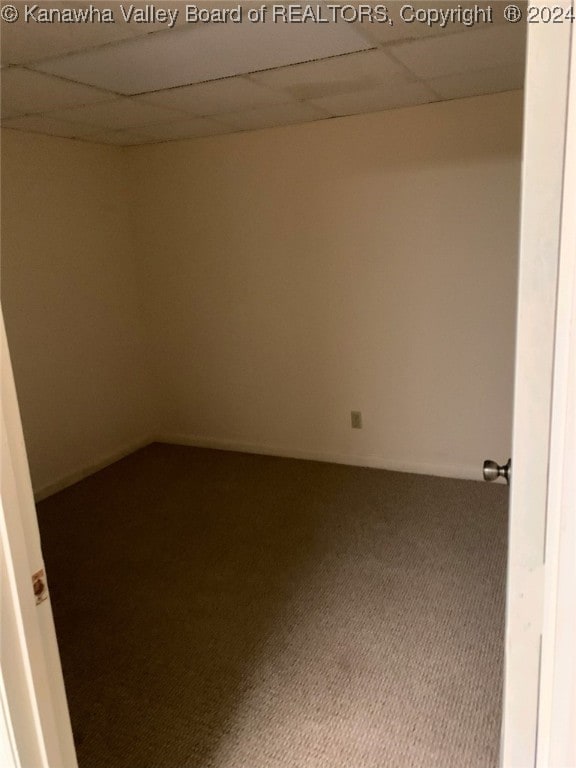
39,586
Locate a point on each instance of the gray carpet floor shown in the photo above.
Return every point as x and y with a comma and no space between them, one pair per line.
225,610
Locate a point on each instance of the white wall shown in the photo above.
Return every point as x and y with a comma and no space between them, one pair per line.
72,304
363,263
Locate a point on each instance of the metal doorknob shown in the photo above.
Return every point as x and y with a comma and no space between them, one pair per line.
493,471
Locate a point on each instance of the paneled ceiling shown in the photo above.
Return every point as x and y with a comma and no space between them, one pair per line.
163,77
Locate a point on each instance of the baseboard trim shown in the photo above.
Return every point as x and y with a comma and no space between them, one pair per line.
456,471
74,477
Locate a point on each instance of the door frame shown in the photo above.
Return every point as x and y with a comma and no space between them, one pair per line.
539,715
35,727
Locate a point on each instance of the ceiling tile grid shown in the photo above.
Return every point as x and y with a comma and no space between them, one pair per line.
134,83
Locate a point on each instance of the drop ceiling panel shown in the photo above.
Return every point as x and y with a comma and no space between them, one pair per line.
478,49
384,33
117,114
25,92
190,128
229,95
119,138
268,117
47,125
340,74
29,40
204,52
397,93
477,83
410,23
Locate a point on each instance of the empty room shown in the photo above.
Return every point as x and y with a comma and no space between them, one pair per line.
260,286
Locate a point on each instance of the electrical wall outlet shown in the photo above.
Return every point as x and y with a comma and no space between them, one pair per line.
356,419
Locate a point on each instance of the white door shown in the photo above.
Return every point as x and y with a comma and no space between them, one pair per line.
34,722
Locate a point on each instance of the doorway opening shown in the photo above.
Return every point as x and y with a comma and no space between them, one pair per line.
220,269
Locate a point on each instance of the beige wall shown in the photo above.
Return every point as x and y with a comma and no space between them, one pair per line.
71,304
249,291
363,263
